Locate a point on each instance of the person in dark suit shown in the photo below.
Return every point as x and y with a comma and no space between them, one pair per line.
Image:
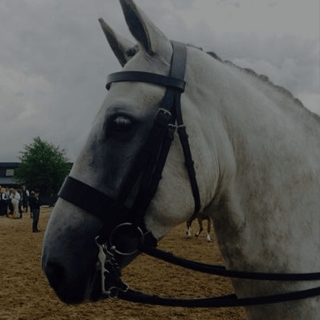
35,203
3,202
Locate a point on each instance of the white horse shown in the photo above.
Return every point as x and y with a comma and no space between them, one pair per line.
257,159
200,218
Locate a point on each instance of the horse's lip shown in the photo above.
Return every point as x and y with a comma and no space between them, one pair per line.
94,288
67,297
79,293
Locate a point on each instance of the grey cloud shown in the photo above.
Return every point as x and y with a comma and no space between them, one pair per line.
288,61
52,72
54,60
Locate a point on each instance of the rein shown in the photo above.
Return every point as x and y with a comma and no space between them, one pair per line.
128,220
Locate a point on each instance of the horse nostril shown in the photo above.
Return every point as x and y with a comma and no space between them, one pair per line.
55,274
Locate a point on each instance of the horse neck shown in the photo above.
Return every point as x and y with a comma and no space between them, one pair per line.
265,193
251,118
262,143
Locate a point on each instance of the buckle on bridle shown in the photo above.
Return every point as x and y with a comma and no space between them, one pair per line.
165,112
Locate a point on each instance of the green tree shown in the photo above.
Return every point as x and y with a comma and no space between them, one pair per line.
43,166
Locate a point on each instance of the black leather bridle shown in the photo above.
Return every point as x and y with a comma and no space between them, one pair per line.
128,222
151,158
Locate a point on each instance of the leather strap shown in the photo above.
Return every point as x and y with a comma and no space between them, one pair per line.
136,76
178,69
86,197
230,300
223,272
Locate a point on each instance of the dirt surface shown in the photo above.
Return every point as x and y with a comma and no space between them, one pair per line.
26,295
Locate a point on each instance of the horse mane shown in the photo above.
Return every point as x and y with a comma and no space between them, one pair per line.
262,78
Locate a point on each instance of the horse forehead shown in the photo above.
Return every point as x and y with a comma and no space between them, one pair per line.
134,96
140,96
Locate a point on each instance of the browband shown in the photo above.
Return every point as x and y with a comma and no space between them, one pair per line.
137,76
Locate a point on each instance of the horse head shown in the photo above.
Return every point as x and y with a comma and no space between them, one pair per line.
111,163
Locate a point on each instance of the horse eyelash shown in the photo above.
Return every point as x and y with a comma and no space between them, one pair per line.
122,121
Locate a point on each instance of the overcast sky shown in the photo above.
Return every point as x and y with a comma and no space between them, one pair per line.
54,58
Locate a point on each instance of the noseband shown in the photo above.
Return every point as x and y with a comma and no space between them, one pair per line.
125,227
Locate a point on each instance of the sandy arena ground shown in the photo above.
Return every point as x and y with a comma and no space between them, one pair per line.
26,295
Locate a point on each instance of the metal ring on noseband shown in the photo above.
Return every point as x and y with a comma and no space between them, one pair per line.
131,229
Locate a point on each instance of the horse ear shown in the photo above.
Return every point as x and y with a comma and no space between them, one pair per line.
122,47
145,32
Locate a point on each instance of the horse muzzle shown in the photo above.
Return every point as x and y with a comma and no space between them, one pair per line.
102,281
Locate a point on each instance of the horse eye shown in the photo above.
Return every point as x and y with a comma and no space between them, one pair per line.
122,123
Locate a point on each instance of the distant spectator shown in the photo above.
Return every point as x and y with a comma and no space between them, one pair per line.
20,203
15,198
9,203
3,202
35,204
25,198
30,202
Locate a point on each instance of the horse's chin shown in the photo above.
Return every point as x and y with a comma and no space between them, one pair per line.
89,290
81,291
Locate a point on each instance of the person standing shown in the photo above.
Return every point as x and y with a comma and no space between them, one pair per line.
5,198
9,203
25,198
35,203
15,199
20,203
3,202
